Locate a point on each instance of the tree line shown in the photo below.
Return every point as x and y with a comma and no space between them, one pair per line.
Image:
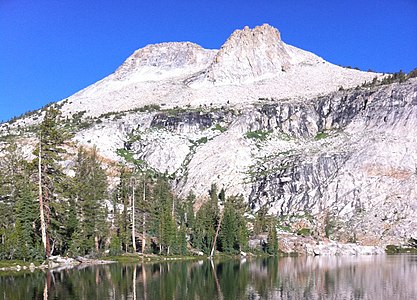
59,203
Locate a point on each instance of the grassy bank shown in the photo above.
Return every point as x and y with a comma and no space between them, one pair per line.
392,249
15,263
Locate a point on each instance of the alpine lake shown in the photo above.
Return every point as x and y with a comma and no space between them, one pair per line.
335,277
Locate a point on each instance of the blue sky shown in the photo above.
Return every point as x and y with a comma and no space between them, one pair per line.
50,49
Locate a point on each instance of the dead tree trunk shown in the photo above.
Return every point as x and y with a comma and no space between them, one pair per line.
133,216
41,205
217,233
144,219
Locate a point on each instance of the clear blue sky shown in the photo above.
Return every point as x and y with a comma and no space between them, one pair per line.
50,49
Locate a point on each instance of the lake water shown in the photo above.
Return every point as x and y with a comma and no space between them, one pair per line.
364,277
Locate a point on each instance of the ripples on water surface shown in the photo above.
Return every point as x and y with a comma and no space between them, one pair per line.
365,277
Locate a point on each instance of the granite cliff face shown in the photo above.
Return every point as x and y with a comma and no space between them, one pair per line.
348,157
268,121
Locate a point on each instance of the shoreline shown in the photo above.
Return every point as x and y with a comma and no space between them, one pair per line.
321,248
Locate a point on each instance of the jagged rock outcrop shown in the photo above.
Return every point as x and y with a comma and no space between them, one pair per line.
250,55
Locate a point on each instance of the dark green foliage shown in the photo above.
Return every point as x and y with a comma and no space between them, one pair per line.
121,217
206,222
219,128
115,247
77,221
233,234
51,139
321,135
26,212
260,224
394,77
258,134
412,74
165,214
18,208
272,246
157,214
182,240
89,191
189,217
329,224
304,232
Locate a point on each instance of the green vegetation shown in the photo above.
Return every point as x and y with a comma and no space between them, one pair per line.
120,114
47,212
219,128
202,140
35,113
272,245
89,186
394,77
321,135
267,223
393,249
304,232
260,134
127,155
79,121
263,168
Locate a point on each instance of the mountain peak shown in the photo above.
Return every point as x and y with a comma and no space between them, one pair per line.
164,60
252,62
249,55
264,29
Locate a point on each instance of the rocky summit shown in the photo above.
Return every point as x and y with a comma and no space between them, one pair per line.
320,146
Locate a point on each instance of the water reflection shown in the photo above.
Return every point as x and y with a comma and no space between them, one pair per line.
368,277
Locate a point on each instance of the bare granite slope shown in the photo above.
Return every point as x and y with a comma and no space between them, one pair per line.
252,63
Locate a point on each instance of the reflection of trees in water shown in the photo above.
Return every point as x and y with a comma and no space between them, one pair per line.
22,286
376,277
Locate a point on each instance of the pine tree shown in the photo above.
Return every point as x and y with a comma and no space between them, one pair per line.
165,216
90,190
48,155
122,199
272,246
182,240
234,233
206,223
144,199
260,224
26,215
8,192
17,206
189,218
229,230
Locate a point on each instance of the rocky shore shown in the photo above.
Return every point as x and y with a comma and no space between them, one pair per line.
299,245
57,263
309,246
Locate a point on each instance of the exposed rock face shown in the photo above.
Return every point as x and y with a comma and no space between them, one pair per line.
263,119
162,61
309,246
252,63
250,55
348,158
